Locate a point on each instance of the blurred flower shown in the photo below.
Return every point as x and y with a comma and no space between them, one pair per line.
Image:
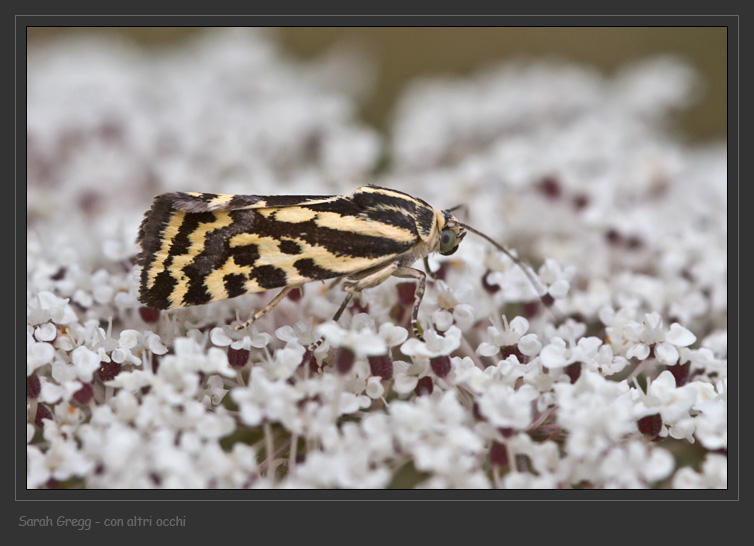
713,475
506,407
227,336
361,342
558,354
510,336
46,306
652,333
265,399
434,344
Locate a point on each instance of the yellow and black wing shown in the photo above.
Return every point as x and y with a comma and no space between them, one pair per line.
199,247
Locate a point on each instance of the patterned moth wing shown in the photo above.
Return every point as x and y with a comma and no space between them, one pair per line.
199,247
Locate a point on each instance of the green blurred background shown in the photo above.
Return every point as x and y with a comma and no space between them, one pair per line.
404,53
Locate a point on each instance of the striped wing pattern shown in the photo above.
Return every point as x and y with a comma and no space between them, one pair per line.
198,247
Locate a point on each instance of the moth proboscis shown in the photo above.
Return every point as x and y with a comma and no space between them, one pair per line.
198,248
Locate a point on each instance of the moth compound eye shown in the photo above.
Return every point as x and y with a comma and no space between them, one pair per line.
448,244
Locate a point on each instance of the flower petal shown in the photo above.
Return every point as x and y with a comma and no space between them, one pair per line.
559,289
639,350
529,345
666,353
680,336
219,337
554,354
487,349
519,325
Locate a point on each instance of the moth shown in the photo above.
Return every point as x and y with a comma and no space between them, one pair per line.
197,248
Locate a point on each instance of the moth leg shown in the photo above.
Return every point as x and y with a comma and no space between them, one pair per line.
342,307
421,282
371,280
334,283
429,271
267,308
402,272
314,346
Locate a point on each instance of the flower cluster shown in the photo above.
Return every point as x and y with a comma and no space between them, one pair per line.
622,383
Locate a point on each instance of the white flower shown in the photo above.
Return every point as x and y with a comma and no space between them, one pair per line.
435,432
265,399
51,392
442,319
302,333
226,336
606,363
153,343
555,279
510,335
375,388
704,359
594,410
529,345
191,357
363,341
46,306
406,375
286,361
86,362
392,335
434,344
506,407
128,340
132,381
46,332
711,424
635,465
38,354
714,474
674,402
214,425
65,460
652,333
37,472
557,354
461,314
717,342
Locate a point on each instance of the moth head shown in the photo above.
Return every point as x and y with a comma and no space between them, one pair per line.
451,234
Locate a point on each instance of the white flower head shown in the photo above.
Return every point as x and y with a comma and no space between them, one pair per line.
86,363
154,344
286,361
434,344
361,338
651,333
46,306
558,354
46,332
303,333
555,278
38,354
239,339
510,335
266,399
713,475
506,407
392,335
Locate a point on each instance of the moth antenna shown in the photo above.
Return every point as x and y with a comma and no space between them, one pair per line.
546,299
458,207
